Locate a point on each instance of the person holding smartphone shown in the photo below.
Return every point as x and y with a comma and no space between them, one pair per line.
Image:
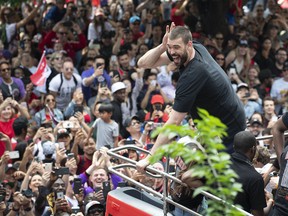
92,77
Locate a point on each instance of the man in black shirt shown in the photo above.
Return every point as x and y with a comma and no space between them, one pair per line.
281,202
252,198
202,84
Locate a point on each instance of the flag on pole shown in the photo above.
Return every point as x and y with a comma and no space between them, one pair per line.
42,73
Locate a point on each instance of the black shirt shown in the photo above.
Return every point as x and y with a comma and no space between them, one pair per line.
252,197
281,201
204,84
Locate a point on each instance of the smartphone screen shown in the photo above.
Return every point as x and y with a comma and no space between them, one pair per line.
14,154
77,185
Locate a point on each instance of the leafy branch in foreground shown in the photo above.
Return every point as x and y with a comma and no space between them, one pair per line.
211,164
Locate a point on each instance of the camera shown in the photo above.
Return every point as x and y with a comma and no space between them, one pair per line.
68,124
27,193
158,107
129,142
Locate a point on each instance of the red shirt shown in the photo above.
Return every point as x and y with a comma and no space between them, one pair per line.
6,128
178,20
83,164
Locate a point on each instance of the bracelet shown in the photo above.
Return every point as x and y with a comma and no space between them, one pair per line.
14,209
28,209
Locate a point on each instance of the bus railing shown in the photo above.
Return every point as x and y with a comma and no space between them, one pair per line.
158,174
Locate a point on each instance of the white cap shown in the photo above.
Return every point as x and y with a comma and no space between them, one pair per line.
90,204
117,86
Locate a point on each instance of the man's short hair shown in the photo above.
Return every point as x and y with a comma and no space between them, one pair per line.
19,124
180,31
243,141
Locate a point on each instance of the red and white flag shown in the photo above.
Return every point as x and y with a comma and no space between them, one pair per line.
42,73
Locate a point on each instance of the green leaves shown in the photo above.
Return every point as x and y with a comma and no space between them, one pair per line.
209,162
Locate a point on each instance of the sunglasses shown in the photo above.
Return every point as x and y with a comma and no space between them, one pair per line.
63,33
217,38
136,23
134,123
6,69
50,100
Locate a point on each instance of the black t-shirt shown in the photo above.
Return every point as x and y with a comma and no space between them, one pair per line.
204,84
252,197
281,203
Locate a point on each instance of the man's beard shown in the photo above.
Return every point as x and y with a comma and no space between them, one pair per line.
183,59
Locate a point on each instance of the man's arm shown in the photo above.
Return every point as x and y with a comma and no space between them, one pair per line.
175,118
257,212
157,56
278,136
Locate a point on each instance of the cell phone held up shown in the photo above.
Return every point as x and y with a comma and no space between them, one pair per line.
77,185
129,142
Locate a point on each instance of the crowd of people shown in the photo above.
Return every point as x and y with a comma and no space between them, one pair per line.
96,95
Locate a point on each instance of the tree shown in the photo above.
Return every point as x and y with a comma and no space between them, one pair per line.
211,164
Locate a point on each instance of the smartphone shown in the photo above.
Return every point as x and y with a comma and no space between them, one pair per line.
48,167
149,146
78,109
14,154
99,65
77,185
247,95
2,198
59,195
153,82
129,142
97,189
70,156
113,58
106,188
232,71
61,145
62,171
75,209
68,124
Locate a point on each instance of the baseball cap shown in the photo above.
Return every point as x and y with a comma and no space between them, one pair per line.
117,86
243,43
99,12
128,120
63,132
157,99
48,148
255,121
10,166
134,19
93,205
242,85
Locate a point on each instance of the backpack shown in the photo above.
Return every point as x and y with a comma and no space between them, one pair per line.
61,81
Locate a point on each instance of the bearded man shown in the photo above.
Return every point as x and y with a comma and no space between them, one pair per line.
202,84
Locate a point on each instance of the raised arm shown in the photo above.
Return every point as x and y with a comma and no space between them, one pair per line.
157,56
278,135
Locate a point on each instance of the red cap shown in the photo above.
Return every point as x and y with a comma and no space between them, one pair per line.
157,99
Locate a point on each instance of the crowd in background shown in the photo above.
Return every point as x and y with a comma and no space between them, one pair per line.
94,97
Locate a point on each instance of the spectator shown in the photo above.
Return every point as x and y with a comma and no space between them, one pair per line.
107,129
157,113
250,106
49,114
280,58
252,199
118,90
11,86
56,12
93,77
279,91
60,33
63,85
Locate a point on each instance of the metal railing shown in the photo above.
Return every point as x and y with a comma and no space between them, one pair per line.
165,175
